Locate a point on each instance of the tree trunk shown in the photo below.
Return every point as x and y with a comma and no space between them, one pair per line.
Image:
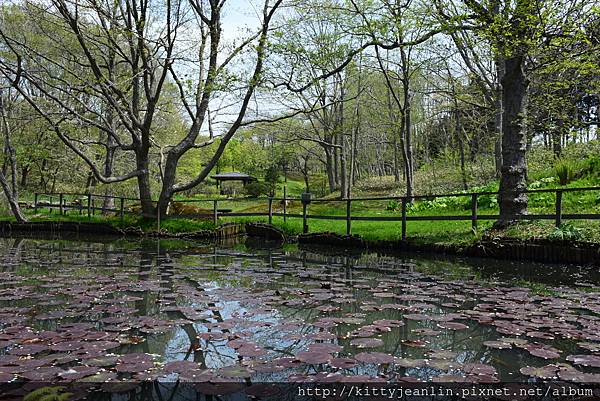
24,175
330,172
11,191
407,154
12,200
463,171
108,170
498,116
143,181
305,174
336,159
513,202
557,132
396,161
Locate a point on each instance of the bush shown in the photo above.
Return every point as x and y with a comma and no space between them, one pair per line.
393,205
567,232
566,171
256,189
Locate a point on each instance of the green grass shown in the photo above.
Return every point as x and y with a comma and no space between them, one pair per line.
438,177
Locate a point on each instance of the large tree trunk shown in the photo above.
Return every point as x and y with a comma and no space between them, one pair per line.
513,202
143,181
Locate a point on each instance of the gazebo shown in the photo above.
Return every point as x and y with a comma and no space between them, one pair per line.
233,176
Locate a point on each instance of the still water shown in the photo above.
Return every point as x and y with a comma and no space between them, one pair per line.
100,311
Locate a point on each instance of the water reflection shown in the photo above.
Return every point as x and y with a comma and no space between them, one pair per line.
106,311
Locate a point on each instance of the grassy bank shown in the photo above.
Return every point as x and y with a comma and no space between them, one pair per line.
579,167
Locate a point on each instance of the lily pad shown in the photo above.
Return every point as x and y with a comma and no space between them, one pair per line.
374,357
585,360
367,342
544,372
342,363
313,357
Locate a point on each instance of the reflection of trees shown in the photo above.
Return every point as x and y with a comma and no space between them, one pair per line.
273,278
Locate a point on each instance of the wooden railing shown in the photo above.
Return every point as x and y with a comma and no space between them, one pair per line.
87,203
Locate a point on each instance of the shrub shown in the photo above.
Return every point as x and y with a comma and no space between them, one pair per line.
567,232
393,205
256,189
566,171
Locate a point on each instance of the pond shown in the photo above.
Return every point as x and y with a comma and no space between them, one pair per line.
99,311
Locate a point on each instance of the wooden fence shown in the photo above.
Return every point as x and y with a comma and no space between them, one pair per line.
88,203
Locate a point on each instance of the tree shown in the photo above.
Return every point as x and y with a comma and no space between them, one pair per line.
11,191
516,31
114,61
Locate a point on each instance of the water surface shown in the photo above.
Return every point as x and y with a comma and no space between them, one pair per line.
106,311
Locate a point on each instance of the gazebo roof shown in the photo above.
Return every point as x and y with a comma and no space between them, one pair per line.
233,176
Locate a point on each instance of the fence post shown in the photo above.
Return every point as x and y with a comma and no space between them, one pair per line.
215,216
284,203
404,219
60,204
348,217
270,210
558,221
474,212
35,202
89,205
122,207
304,218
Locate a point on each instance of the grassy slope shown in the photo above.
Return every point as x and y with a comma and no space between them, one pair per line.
438,178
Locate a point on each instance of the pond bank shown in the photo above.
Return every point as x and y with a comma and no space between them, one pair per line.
540,250
546,251
227,230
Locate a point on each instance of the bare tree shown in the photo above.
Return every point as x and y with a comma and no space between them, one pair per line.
116,61
11,190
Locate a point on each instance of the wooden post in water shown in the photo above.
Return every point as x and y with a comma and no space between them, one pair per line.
60,204
304,218
474,212
558,221
348,216
122,208
270,210
35,202
89,205
215,216
284,203
404,219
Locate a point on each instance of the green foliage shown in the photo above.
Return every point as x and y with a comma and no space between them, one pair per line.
566,171
272,174
542,183
441,203
566,232
256,189
393,205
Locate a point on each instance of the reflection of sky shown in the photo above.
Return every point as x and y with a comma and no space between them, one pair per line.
242,284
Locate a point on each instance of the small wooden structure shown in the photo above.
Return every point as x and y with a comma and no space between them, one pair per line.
233,176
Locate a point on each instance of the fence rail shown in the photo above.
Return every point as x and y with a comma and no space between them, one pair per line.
87,202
